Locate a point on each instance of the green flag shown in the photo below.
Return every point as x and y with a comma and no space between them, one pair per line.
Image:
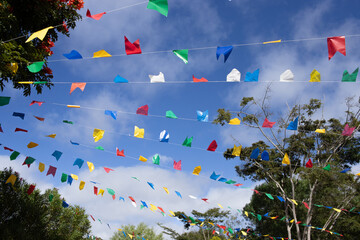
259,217
64,177
41,82
282,219
141,206
35,67
159,5
192,219
230,182
327,168
319,205
170,114
156,159
269,196
350,77
230,231
182,54
4,101
69,122
29,160
352,209
51,197
100,148
187,142
14,155
110,191
135,178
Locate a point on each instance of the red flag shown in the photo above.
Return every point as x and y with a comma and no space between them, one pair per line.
212,147
222,227
199,80
238,185
205,199
161,209
77,85
336,44
131,198
309,164
143,110
24,163
108,169
113,197
132,48
20,130
256,191
39,103
120,153
213,232
9,149
268,124
52,171
306,205
177,165
298,222
92,218
31,189
96,16
95,190
1,129
39,118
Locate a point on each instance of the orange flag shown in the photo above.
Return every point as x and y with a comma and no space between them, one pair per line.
77,85
199,80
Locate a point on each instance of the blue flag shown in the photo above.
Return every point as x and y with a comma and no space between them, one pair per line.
252,77
255,153
222,180
265,156
214,176
64,204
293,124
225,51
78,162
151,185
121,198
119,79
20,115
73,55
113,114
281,199
203,116
57,154
70,179
74,143
144,204
177,193
164,136
345,170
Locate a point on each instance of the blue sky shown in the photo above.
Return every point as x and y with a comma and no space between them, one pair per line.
190,24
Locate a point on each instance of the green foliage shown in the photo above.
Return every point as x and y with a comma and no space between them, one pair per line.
223,117
141,230
32,216
22,17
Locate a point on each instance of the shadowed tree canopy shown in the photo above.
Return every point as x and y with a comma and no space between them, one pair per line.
323,187
141,231
22,17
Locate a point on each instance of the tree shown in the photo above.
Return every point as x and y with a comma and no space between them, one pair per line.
140,231
318,187
22,17
37,216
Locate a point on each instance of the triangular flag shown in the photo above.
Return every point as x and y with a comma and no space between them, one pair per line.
82,185
78,162
350,77
286,159
57,154
320,131
74,86
197,170
306,205
151,185
139,132
143,110
95,16
234,121
226,51
255,153
107,170
120,153
38,102
309,164
327,168
236,151
177,165
98,134
73,55
119,79
52,171
212,147
14,155
214,176
39,34
32,145
159,5
268,124
14,67
187,142
315,76
252,77
202,116
182,54
170,114
157,78
269,196
110,191
233,76
348,130
11,179
199,80
132,48
41,167
179,195
91,166
156,159
164,136
100,54
336,44
287,76
166,190
39,118
113,114
143,159
265,156
35,67
293,124
31,189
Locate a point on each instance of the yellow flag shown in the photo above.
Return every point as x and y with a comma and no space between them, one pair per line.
201,224
32,145
192,224
139,132
82,185
246,213
220,205
41,167
130,235
358,174
73,106
166,190
51,135
286,159
211,223
273,217
234,121
276,41
236,151
100,54
292,221
14,67
294,201
152,207
39,34
101,191
98,134
75,177
25,82
141,158
197,170
338,210
11,179
243,233
172,213
91,166
315,76
320,130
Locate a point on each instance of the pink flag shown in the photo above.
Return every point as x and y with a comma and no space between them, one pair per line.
212,147
199,80
336,44
31,189
77,85
143,110
96,16
132,48
120,153
52,171
309,164
268,124
348,130
177,165
108,169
